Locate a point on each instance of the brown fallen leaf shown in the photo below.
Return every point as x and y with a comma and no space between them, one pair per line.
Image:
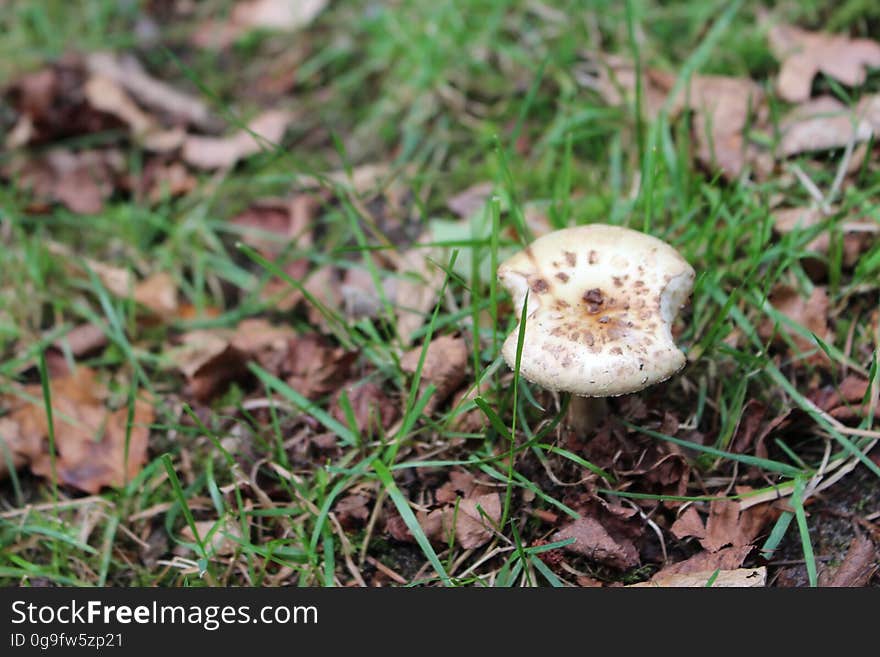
804,54
820,124
472,522
81,340
592,540
722,107
315,366
374,411
858,566
210,360
468,202
811,313
615,81
415,291
52,105
158,293
729,558
17,447
352,510
444,367
81,181
90,440
858,235
162,180
845,401
224,152
739,578
727,525
127,72
688,524
269,225
247,15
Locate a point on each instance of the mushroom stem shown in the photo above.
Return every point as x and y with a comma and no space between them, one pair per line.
585,414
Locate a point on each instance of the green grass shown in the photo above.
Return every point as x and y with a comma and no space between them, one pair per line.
444,95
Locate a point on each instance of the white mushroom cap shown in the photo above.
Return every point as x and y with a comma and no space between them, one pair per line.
601,303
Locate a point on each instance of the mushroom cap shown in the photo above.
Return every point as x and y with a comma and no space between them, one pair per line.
601,302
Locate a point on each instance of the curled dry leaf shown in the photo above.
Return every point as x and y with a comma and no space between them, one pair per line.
739,578
804,54
247,15
264,131
90,440
593,540
444,367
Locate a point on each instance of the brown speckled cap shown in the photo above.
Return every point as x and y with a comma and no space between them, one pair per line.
601,303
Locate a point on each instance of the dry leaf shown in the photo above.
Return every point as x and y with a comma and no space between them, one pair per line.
374,411
158,293
81,181
739,578
858,566
727,525
616,83
445,367
729,558
90,440
225,152
246,15
804,54
468,202
472,523
352,511
415,291
270,225
105,95
820,124
858,235
811,313
162,180
127,72
592,540
688,524
225,540
315,366
722,106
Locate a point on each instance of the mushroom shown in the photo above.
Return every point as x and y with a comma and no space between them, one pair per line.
601,302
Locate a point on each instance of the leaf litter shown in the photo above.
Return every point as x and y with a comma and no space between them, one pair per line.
729,124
